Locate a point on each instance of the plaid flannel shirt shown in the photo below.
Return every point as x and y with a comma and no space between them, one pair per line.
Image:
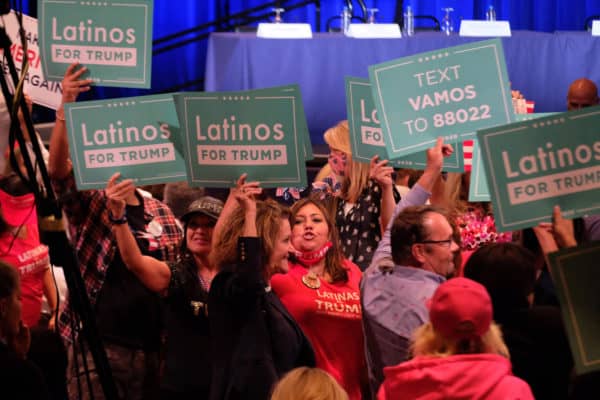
95,245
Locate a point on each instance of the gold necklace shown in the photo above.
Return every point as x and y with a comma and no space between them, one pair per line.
311,280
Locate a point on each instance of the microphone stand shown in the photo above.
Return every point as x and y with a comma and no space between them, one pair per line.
51,227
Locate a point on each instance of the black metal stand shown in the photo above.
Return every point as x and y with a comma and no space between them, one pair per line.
52,233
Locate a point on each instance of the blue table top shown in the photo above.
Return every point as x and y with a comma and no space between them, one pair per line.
540,65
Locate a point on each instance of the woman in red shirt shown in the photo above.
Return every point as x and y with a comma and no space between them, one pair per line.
321,292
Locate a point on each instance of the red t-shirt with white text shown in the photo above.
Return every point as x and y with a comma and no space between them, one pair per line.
330,317
21,248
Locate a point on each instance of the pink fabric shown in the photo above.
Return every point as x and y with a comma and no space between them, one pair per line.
470,376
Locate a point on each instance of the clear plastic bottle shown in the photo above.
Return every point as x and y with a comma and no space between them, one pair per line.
409,21
490,14
346,19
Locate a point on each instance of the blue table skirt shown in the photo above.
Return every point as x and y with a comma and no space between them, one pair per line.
540,65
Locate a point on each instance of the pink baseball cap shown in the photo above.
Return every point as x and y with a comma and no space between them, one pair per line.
461,309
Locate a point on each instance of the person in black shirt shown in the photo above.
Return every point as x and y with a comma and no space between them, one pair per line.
185,284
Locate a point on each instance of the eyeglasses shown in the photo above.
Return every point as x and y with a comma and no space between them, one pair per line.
193,226
445,243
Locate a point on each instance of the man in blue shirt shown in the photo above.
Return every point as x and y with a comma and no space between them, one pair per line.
414,257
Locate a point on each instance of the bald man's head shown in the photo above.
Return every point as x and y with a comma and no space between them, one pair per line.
582,93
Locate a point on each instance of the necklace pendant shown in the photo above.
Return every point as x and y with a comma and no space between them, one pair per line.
311,280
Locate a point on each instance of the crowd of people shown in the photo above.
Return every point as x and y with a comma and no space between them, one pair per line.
365,288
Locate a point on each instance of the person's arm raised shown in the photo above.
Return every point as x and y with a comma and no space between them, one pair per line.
418,195
59,165
153,273
382,174
435,160
233,202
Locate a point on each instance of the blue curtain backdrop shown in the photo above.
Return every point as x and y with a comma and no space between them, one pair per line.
174,68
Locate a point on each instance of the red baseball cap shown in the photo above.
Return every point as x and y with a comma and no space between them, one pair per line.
460,309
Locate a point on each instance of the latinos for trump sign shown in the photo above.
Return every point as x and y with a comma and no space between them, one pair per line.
575,275
365,131
42,91
533,165
137,136
258,132
113,39
449,92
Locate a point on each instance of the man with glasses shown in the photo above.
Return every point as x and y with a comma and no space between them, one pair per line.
414,257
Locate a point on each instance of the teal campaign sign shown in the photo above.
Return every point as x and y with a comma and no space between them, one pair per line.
575,275
533,165
365,131
137,136
529,117
478,186
259,132
113,39
449,92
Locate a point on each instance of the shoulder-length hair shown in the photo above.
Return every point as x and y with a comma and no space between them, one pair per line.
428,342
334,258
308,383
269,214
357,178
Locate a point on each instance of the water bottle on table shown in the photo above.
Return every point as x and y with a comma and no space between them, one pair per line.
490,14
409,21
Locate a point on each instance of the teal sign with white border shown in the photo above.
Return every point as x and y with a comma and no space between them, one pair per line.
136,136
575,275
259,132
113,39
449,92
478,186
366,138
533,165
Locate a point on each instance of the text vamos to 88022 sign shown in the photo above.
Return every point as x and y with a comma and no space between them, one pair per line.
113,38
450,92
532,166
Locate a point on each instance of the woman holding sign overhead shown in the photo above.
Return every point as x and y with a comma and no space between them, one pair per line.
254,339
185,285
365,201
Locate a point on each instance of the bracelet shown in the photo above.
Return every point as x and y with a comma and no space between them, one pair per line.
119,221
60,117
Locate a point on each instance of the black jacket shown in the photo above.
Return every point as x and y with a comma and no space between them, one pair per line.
254,340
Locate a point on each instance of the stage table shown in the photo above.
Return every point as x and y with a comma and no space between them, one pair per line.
540,65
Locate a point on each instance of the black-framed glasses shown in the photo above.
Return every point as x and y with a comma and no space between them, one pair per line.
445,243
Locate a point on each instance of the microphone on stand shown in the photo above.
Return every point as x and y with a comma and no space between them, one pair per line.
363,7
349,5
400,13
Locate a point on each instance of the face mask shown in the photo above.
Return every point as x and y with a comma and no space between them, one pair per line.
313,257
338,161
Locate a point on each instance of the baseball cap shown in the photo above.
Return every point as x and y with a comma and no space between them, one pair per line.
206,205
461,309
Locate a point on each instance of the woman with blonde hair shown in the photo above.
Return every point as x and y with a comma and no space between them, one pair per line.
308,384
459,354
361,196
